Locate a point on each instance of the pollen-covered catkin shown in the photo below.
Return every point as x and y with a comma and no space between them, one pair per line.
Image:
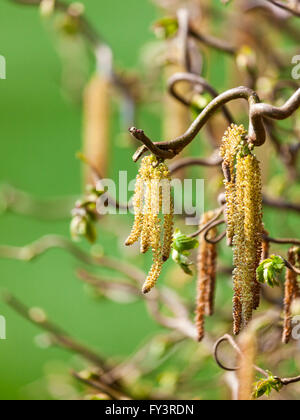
229,147
248,233
291,292
243,192
207,258
138,211
149,201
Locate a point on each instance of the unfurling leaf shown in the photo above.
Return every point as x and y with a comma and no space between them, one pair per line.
266,386
181,246
269,269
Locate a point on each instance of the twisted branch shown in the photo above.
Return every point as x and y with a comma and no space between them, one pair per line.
285,6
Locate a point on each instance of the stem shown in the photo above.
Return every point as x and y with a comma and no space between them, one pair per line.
285,6
197,81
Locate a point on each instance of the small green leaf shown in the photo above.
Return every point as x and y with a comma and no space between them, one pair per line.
266,386
269,269
166,27
182,244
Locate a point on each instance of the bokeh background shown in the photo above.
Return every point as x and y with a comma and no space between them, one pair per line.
40,133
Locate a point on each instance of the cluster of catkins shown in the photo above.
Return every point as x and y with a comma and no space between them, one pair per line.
207,261
243,191
153,198
292,291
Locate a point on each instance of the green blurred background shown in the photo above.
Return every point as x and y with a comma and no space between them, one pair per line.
40,134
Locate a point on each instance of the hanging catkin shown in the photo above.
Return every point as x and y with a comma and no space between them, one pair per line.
152,197
207,258
244,221
291,292
248,233
96,105
229,147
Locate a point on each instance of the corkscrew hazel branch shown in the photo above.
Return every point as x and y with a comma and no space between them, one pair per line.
257,133
257,112
195,81
291,267
212,161
206,228
218,238
283,241
231,341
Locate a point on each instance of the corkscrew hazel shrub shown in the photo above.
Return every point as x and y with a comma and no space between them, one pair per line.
153,198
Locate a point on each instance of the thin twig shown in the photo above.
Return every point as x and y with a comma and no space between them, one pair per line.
218,238
100,386
212,161
283,241
280,204
211,41
208,225
285,6
231,341
196,81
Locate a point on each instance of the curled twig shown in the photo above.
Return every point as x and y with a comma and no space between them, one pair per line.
196,81
208,225
214,160
257,112
217,238
231,341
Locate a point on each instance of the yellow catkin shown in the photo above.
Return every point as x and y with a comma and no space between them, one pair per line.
243,191
148,204
146,228
207,258
138,211
228,150
168,211
291,292
96,104
247,233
